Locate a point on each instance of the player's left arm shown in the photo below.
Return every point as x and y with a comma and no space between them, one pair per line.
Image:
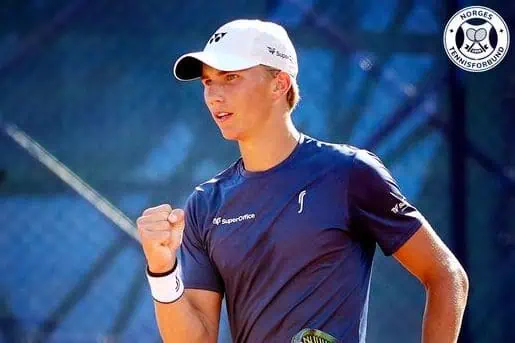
445,281
378,208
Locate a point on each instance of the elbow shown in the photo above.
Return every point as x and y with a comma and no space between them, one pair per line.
453,279
459,285
459,278
463,280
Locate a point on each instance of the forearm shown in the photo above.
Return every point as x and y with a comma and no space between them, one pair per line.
181,322
446,298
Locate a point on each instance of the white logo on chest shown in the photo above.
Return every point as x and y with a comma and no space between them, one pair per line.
301,201
223,221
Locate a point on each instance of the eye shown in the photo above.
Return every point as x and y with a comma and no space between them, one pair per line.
206,82
231,77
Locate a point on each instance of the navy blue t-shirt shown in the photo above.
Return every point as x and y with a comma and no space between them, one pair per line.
292,247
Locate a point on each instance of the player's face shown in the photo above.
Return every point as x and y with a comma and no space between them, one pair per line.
239,101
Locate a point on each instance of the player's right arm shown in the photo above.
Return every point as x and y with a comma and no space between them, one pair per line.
195,316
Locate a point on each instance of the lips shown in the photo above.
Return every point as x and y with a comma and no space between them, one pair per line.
222,116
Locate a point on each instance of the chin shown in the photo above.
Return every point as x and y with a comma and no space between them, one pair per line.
230,136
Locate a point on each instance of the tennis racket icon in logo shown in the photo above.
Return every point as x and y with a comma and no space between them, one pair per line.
476,36
476,43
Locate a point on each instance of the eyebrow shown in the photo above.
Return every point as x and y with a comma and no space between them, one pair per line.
219,73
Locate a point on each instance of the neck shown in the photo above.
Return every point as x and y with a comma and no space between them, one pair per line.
270,146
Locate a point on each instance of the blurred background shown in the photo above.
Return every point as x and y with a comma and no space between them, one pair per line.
89,80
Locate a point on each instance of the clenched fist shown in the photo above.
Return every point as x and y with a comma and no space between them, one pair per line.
160,229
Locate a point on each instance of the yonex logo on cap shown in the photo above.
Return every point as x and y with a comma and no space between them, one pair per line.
216,37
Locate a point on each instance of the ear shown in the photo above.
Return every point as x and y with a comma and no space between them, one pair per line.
281,84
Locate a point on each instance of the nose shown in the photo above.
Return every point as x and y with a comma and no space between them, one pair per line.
214,94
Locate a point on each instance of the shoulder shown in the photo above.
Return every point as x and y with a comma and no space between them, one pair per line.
340,155
367,166
349,154
329,148
353,164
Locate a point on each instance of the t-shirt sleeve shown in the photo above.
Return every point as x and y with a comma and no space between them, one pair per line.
377,206
197,269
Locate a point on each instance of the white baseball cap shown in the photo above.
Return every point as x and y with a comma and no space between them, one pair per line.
241,44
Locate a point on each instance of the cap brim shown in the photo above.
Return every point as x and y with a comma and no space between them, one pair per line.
189,66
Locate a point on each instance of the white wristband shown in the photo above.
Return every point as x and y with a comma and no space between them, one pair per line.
166,288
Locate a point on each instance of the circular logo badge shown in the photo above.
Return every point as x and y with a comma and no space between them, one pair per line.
476,39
